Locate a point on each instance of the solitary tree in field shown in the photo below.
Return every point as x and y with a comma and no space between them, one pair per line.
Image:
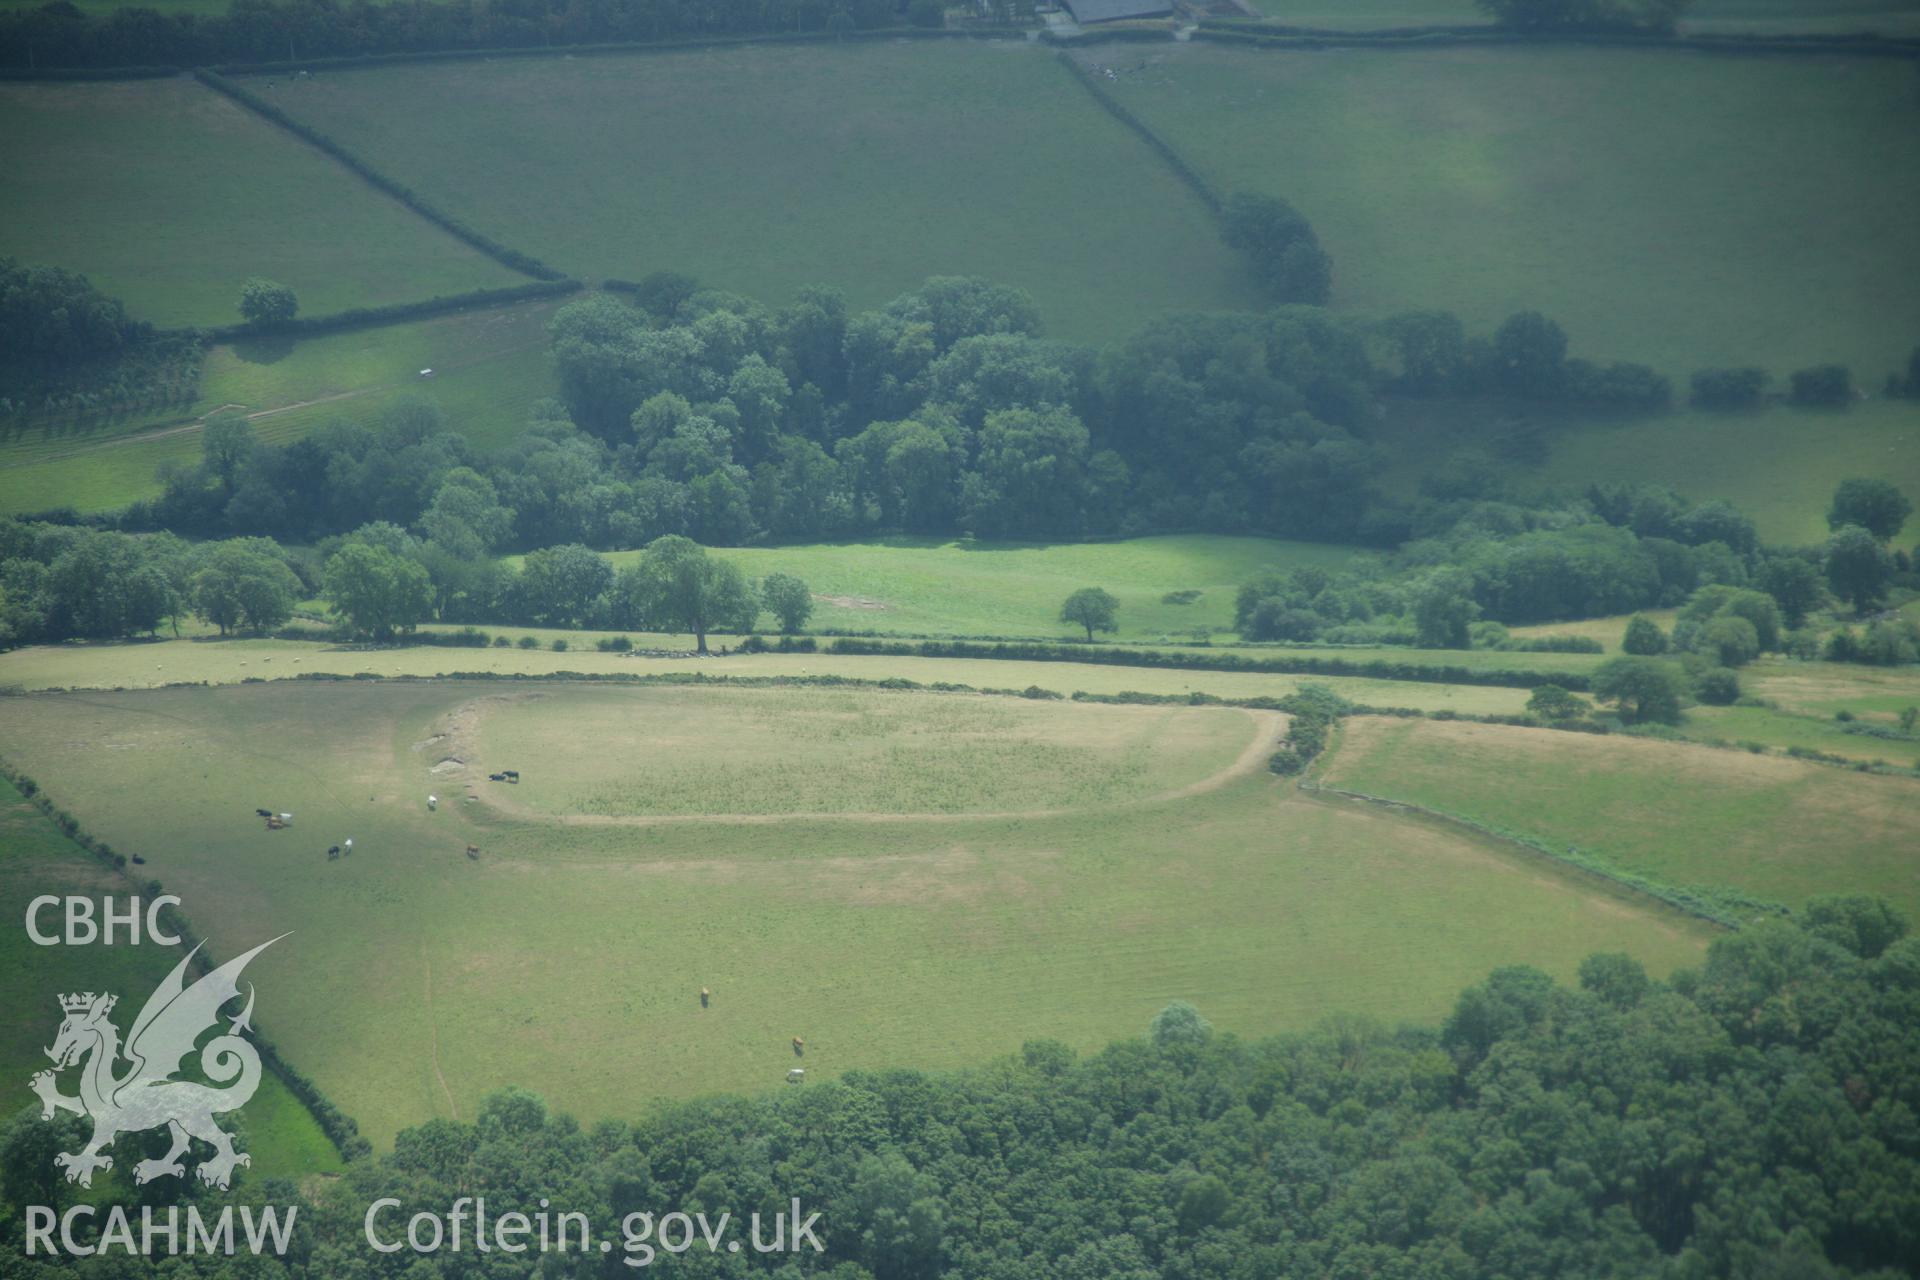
1858,567
1874,505
1551,702
1180,1023
788,599
1644,637
264,301
1642,688
677,586
1092,608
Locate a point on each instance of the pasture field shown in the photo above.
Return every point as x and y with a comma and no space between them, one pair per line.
36,859
169,196
1678,813
682,752
157,663
762,169
1777,465
489,367
933,586
417,980
1608,631
1890,17
1625,199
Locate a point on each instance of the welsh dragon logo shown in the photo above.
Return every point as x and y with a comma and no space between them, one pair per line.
146,1095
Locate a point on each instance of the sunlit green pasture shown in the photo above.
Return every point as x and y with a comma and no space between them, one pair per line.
417,978
35,861
157,663
489,366
761,169
1679,813
169,196
1678,209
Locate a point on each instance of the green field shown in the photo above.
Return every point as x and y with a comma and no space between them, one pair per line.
36,859
678,753
571,953
169,196
867,168
489,367
1778,465
1680,210
1678,813
928,586
159,663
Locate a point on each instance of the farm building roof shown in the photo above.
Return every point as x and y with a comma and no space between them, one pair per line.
1085,11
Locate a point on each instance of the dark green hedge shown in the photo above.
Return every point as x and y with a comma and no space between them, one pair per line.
404,57
512,258
394,313
1442,37
1107,655
1184,171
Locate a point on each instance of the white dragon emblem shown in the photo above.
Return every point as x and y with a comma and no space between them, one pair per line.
147,1095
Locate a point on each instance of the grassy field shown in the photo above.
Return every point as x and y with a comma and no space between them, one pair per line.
151,665
169,196
760,170
1679,813
274,1128
1892,17
645,753
489,367
1620,193
929,586
569,955
1778,465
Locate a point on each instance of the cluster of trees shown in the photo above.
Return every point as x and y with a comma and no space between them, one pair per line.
62,35
60,582
1751,1117
67,348
1613,550
1285,253
1428,353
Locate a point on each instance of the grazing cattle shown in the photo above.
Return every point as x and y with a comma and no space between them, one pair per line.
799,1047
263,813
473,851
333,852
346,848
139,861
287,819
496,777
274,824
705,996
796,1075
511,775
433,804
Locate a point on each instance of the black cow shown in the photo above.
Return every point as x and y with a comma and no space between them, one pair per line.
263,813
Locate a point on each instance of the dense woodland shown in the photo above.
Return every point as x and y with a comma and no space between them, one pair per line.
1753,1118
694,416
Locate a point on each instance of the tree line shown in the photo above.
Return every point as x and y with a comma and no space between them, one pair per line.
256,31
1751,1117
707,415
